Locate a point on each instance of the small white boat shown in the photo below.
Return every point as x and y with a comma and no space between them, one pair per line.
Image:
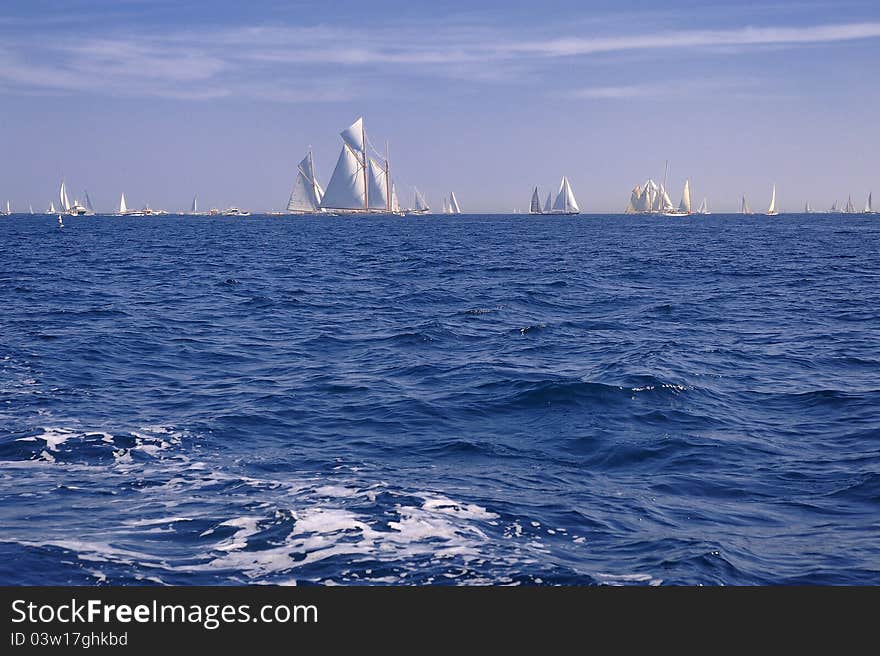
771,211
235,211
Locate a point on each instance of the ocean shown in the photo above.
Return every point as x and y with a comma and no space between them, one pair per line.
492,400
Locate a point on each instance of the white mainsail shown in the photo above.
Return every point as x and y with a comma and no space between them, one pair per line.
535,205
194,208
354,135
685,205
869,209
123,208
772,208
346,189
454,207
62,194
378,186
565,201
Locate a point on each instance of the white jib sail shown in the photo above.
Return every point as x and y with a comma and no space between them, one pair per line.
685,205
123,208
378,188
346,187
772,208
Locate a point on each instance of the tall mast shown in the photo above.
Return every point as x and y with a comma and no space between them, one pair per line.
364,155
387,180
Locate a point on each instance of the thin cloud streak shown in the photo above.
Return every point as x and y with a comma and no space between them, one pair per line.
252,60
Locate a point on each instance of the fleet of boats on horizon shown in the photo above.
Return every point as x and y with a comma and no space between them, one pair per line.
362,183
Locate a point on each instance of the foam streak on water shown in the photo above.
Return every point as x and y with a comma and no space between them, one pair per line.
477,400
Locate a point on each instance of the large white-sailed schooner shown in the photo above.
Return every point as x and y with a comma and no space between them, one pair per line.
307,192
360,183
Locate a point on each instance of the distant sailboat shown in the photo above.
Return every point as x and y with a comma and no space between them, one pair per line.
307,193
684,207
807,208
771,211
88,206
445,206
565,202
62,195
8,210
395,201
51,209
194,208
744,208
420,205
834,209
454,207
123,208
535,204
30,209
704,207
869,208
850,208
548,203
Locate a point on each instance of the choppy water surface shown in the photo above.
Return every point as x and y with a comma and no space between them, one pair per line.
474,400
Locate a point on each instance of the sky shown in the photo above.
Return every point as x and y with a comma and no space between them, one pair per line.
165,99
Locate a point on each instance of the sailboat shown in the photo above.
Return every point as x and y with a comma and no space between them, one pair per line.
420,205
807,208
88,205
194,208
834,209
850,208
869,209
744,208
771,211
548,203
454,207
704,207
684,207
51,209
8,210
74,209
30,209
535,204
359,183
124,210
565,202
307,193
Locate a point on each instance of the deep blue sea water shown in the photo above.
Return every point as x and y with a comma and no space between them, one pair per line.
458,400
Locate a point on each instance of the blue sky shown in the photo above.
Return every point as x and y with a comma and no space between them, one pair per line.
165,99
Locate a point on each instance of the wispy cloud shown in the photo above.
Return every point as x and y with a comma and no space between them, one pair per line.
317,63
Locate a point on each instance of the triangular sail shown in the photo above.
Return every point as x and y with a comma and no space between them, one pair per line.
869,209
30,209
395,203
704,207
565,201
850,208
346,187
685,205
378,188
535,205
772,208
665,202
88,201
547,205
454,207
62,196
52,207
307,193
353,135
123,208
